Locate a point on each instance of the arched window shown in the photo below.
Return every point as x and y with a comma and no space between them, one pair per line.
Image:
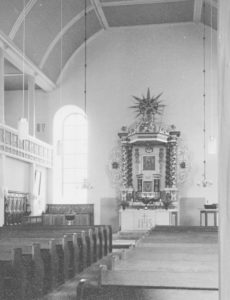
70,155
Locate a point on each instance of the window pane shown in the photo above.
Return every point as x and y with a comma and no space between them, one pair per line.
74,133
74,155
74,194
74,147
75,119
74,161
74,175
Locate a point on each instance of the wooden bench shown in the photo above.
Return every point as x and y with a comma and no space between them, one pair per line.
88,247
104,233
63,251
69,252
55,260
21,272
92,246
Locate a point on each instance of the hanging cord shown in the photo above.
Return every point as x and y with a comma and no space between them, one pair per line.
211,83
61,141
204,96
204,182
85,60
61,59
23,60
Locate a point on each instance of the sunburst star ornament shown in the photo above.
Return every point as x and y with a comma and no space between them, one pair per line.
149,105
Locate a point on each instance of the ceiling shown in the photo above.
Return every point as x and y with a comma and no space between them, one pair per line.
55,29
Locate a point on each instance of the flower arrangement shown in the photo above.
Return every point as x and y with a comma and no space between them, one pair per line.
167,201
124,204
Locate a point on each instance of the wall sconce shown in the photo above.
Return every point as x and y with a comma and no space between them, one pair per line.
115,165
23,129
212,145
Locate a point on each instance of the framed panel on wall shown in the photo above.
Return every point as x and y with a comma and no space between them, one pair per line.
148,163
147,186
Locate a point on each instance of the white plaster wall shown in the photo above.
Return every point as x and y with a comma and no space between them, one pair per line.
126,61
17,175
14,110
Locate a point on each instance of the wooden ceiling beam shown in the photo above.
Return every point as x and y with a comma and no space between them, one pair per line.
100,14
15,56
197,11
136,2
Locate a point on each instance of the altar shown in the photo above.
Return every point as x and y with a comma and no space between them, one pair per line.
149,168
145,219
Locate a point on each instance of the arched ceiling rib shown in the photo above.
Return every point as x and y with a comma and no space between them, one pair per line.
9,13
71,41
46,25
59,36
65,67
21,17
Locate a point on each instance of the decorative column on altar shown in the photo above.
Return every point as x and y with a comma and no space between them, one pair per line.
129,166
124,157
171,191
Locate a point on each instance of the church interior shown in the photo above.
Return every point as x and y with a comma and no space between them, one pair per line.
114,149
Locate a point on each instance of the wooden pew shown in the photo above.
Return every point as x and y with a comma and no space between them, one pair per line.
67,256
76,249
105,229
12,274
61,256
21,272
36,222
102,235
55,255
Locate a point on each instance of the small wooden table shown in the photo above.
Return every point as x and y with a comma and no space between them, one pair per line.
207,212
174,218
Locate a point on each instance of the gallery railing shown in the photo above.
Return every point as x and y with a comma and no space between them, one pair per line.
30,150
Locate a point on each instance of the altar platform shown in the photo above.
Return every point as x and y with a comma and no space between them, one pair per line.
145,219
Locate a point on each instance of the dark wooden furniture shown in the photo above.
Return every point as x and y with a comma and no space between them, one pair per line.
206,213
16,206
47,256
174,218
63,214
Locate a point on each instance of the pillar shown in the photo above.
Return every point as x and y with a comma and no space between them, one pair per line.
32,196
31,120
224,147
2,92
2,188
31,98
2,121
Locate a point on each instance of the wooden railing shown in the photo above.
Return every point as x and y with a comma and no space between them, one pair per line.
30,150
